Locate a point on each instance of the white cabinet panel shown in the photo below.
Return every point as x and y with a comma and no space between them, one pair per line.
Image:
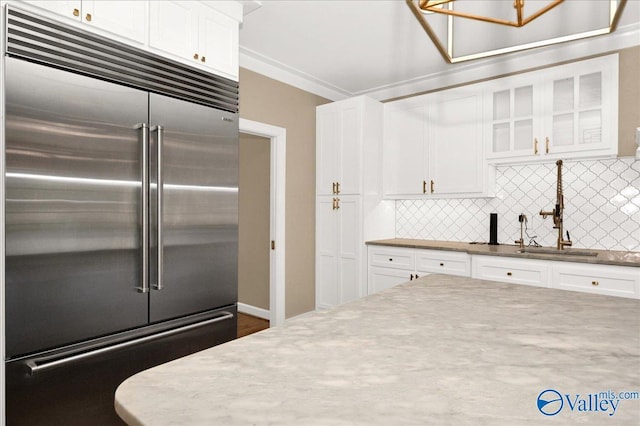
406,154
600,279
339,142
195,34
434,146
457,151
383,278
327,234
169,26
349,280
127,20
509,270
123,19
443,262
70,9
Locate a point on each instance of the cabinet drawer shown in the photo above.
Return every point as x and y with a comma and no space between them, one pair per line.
529,272
396,258
443,262
601,279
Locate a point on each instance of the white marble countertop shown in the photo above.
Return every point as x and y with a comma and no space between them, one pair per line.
438,350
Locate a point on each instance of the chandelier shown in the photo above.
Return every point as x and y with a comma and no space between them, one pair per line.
423,8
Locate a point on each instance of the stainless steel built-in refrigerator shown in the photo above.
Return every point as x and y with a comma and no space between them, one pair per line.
121,217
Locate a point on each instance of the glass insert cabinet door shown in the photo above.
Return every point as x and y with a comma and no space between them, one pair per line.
576,106
513,120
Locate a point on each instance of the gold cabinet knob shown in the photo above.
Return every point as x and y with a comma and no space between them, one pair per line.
196,56
88,17
432,186
509,274
546,146
424,186
76,12
595,283
203,59
535,146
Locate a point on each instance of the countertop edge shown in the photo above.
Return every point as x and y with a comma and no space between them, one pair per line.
605,257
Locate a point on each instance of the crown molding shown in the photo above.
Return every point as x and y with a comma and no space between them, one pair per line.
624,37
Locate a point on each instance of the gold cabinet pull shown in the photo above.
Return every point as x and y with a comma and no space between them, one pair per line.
424,186
337,187
546,146
203,59
333,204
337,203
76,12
432,186
196,56
595,283
273,245
509,274
535,146
333,187
88,17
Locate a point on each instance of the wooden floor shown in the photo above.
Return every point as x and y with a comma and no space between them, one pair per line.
248,324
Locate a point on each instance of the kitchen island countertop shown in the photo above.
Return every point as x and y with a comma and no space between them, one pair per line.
437,350
603,257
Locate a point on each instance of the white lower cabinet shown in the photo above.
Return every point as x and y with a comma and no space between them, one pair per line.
390,266
601,279
510,270
338,245
608,280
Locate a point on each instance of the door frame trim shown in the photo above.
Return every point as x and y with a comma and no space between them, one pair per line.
278,138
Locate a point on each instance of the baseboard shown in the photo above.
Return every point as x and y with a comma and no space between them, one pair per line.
255,311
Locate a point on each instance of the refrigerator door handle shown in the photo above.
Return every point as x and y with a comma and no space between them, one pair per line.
144,131
159,210
37,365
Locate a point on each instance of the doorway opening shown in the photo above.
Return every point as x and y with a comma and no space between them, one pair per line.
268,140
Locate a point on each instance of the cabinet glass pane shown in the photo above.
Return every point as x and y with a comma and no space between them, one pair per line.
562,130
523,134
563,94
523,101
590,127
501,137
590,93
501,105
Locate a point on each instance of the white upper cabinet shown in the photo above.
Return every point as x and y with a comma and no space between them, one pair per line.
433,146
569,111
200,34
456,157
406,150
196,33
339,142
123,19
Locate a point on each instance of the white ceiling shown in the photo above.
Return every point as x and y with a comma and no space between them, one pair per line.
343,48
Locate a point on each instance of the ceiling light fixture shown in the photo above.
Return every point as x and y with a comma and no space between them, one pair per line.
420,8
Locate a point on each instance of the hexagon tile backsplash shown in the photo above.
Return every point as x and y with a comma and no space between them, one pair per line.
601,199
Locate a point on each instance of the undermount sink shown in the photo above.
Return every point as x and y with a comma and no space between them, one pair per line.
548,250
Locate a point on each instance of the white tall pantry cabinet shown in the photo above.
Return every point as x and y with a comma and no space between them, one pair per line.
349,205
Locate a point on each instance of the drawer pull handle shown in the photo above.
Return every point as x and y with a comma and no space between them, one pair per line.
441,264
595,283
390,260
411,279
509,274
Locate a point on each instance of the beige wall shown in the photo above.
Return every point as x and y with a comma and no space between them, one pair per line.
628,100
253,221
272,102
